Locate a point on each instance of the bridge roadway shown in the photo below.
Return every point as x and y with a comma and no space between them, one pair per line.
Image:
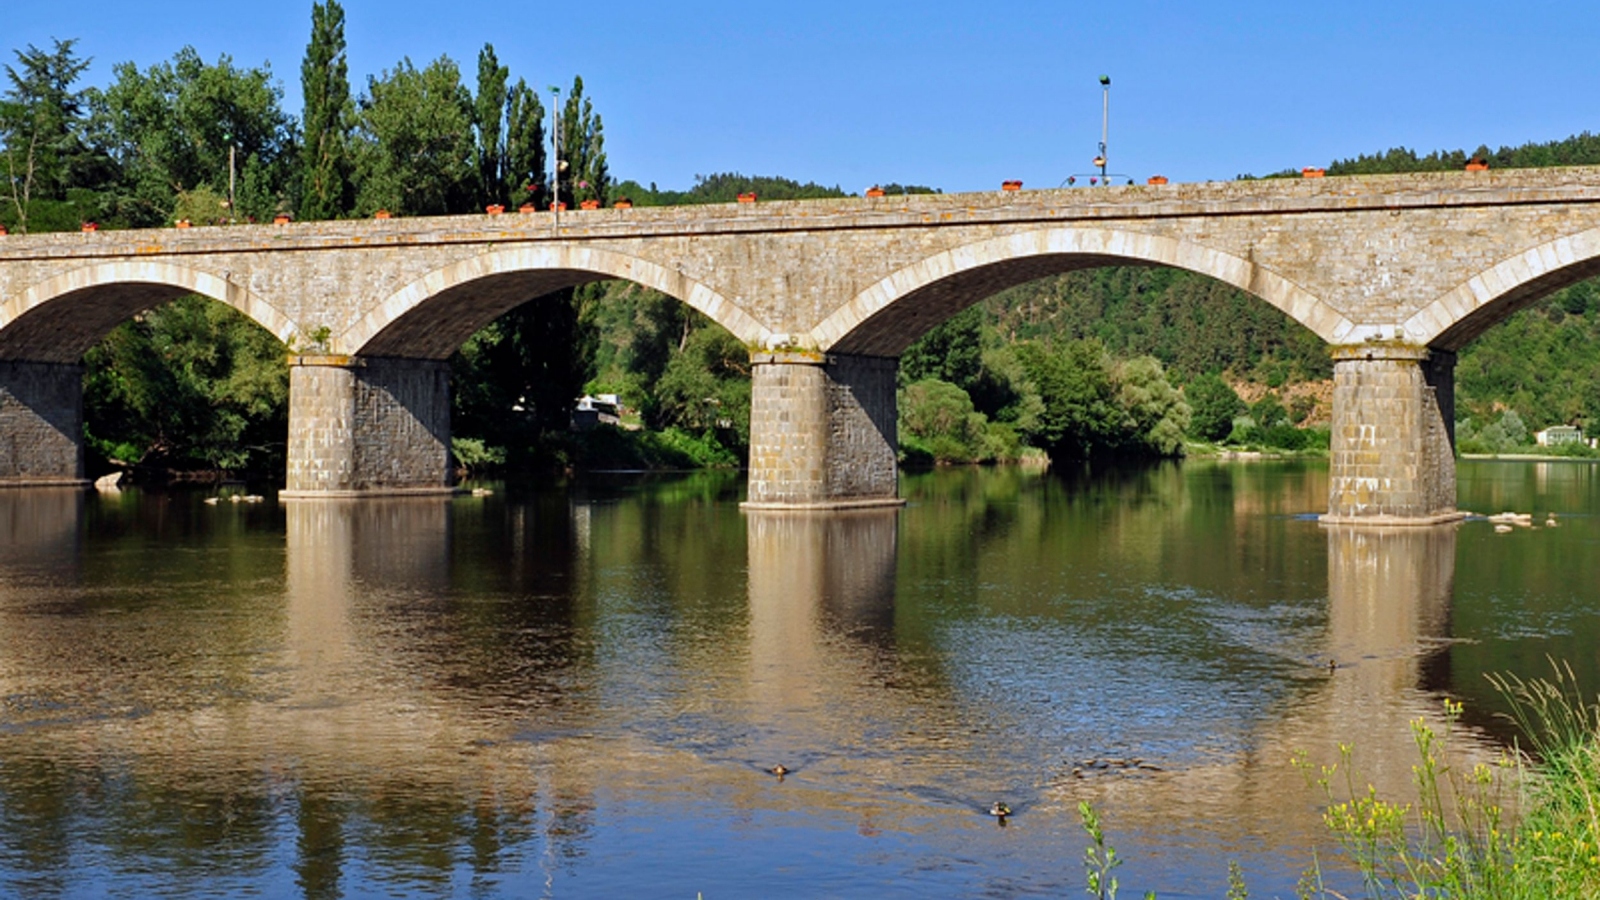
1396,273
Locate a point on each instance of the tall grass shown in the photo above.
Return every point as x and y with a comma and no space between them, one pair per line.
1457,837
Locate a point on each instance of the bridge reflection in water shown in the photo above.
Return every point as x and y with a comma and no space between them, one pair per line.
454,694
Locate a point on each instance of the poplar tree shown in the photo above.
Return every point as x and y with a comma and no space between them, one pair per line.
324,155
488,113
583,146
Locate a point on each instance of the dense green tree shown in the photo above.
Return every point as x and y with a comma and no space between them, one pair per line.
325,191
488,116
1081,417
726,188
705,387
952,351
1268,411
42,140
415,142
1157,414
1213,406
521,176
586,175
509,119
171,127
938,422
191,384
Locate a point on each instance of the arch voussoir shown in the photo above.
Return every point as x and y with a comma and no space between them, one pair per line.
1453,318
1097,245
139,284
594,262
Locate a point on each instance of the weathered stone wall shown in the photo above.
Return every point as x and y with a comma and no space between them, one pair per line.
321,426
863,428
1392,453
822,431
1427,258
368,425
402,423
41,423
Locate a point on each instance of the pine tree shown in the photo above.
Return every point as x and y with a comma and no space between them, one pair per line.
324,155
40,120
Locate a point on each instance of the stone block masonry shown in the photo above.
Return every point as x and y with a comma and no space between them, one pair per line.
41,424
368,426
1392,456
828,292
822,431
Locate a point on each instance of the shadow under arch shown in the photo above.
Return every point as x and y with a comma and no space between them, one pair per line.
1463,313
59,319
434,315
889,316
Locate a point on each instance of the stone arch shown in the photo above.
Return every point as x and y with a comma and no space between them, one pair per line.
888,316
432,316
60,318
1472,307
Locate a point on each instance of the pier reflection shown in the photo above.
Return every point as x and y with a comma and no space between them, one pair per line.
40,535
1363,683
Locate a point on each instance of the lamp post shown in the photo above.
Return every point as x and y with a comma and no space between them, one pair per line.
1105,123
555,154
231,215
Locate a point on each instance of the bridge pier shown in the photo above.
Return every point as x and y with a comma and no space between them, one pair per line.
1392,459
366,426
41,424
822,431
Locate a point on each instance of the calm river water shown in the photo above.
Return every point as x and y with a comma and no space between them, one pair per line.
576,692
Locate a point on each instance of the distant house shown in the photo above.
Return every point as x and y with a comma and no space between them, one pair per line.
596,409
1556,435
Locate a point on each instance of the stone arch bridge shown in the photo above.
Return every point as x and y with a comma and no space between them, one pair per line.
1395,272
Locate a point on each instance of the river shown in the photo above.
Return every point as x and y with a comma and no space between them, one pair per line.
577,691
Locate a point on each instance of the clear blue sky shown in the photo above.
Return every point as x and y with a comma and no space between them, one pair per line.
957,95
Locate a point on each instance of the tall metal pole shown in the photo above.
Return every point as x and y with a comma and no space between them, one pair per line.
1105,122
232,212
555,154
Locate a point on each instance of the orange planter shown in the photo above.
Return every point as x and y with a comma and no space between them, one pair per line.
747,198
1010,185
874,191
1477,165
281,219
1157,179
3,231
381,214
559,206
527,208
1309,172
494,209
181,223
622,204
588,204
91,226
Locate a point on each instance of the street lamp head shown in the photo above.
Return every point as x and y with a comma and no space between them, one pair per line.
1105,80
